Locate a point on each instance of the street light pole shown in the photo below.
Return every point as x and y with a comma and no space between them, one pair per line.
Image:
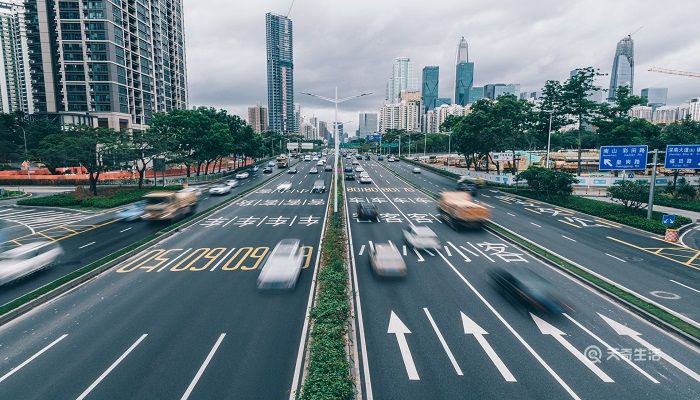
650,204
425,143
26,153
549,138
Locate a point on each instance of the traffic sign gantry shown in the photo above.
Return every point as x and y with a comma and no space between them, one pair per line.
616,158
682,156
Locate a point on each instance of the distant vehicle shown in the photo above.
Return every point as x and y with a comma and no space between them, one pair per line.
169,205
314,158
313,170
365,179
349,176
267,170
328,168
529,288
366,211
358,157
390,159
197,190
347,168
220,189
380,158
367,157
271,164
467,186
132,212
284,186
359,169
292,171
232,182
416,170
255,168
283,266
27,259
282,161
320,163
242,175
319,186
307,158
479,182
386,260
458,210
415,159
355,162
420,237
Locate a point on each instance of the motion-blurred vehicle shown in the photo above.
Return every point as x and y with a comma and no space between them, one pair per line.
365,179
271,164
197,190
328,168
349,176
366,211
284,186
132,212
242,175
27,259
467,186
420,237
386,260
380,158
255,169
267,170
313,170
529,288
478,182
458,210
319,186
416,170
162,206
232,183
390,159
367,157
220,189
292,171
283,266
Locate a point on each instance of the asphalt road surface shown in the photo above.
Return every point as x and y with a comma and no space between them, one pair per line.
446,332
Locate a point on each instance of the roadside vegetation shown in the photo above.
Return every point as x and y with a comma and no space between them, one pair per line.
107,197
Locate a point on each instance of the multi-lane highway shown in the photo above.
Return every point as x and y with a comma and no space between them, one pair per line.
446,332
182,319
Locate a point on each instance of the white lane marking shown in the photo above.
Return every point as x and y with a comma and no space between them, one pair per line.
435,218
30,359
485,195
371,245
405,253
685,286
293,219
111,367
362,250
398,328
568,238
511,214
429,252
166,265
617,258
472,328
86,245
512,330
447,250
445,347
612,349
124,230
469,251
481,252
420,258
222,260
199,373
534,224
261,221
464,256
388,182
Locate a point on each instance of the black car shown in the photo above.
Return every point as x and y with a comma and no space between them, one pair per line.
380,158
367,211
467,187
367,158
348,168
349,176
528,288
292,171
267,170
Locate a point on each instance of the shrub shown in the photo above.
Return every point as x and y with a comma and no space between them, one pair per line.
684,190
107,197
631,194
548,182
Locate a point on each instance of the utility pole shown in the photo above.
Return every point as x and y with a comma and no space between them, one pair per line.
650,204
549,138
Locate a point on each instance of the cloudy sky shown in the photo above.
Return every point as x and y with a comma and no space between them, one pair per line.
351,44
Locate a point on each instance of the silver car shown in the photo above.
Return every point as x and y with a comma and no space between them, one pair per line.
420,237
283,266
386,260
27,259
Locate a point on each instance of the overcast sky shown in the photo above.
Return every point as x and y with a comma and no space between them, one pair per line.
352,44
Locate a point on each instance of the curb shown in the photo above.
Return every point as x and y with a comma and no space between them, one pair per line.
21,196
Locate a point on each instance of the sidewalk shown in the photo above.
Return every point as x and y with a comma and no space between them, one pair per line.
695,216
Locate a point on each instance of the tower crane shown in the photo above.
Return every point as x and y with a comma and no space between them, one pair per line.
675,72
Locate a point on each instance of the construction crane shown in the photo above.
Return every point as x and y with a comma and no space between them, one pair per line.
675,72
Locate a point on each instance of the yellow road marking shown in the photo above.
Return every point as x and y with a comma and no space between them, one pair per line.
569,223
693,258
657,252
602,221
536,212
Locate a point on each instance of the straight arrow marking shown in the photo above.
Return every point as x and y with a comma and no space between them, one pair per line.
398,328
548,329
444,343
471,328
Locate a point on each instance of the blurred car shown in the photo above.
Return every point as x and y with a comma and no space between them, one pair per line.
367,157
478,182
420,237
359,169
386,260
320,163
242,175
319,186
255,168
366,211
365,179
349,176
132,212
355,162
467,186
314,158
193,189
390,159
529,288
347,168
328,168
292,171
283,266
27,259
271,164
220,189
267,170
313,170
416,170
232,182
284,186
307,158
380,158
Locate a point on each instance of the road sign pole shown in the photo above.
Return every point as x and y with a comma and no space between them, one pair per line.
650,204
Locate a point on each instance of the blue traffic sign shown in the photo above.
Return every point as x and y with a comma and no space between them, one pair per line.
668,219
682,156
617,158
374,138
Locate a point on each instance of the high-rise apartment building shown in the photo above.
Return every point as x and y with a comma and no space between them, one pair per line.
464,74
642,112
656,97
113,62
429,87
402,78
257,118
367,124
623,67
15,81
280,74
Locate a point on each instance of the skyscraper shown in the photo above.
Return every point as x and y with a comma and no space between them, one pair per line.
623,67
113,62
402,78
367,124
464,74
429,87
656,97
280,74
15,81
257,118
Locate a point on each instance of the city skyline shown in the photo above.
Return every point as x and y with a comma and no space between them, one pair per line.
511,53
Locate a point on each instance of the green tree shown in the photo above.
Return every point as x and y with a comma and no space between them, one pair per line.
631,194
550,182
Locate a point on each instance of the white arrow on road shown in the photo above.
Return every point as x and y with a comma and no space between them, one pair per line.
398,328
607,162
623,330
471,328
549,329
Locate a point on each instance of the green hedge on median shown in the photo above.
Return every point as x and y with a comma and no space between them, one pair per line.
107,197
328,376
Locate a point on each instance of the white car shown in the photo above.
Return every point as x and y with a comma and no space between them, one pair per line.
283,266
307,158
314,158
359,169
220,189
390,159
232,182
319,186
320,163
27,259
242,175
271,164
416,170
386,260
420,237
284,186
313,170
355,162
365,179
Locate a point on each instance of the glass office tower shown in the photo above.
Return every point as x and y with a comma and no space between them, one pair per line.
623,67
429,88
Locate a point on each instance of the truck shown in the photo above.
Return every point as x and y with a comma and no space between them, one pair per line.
163,206
282,161
458,210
